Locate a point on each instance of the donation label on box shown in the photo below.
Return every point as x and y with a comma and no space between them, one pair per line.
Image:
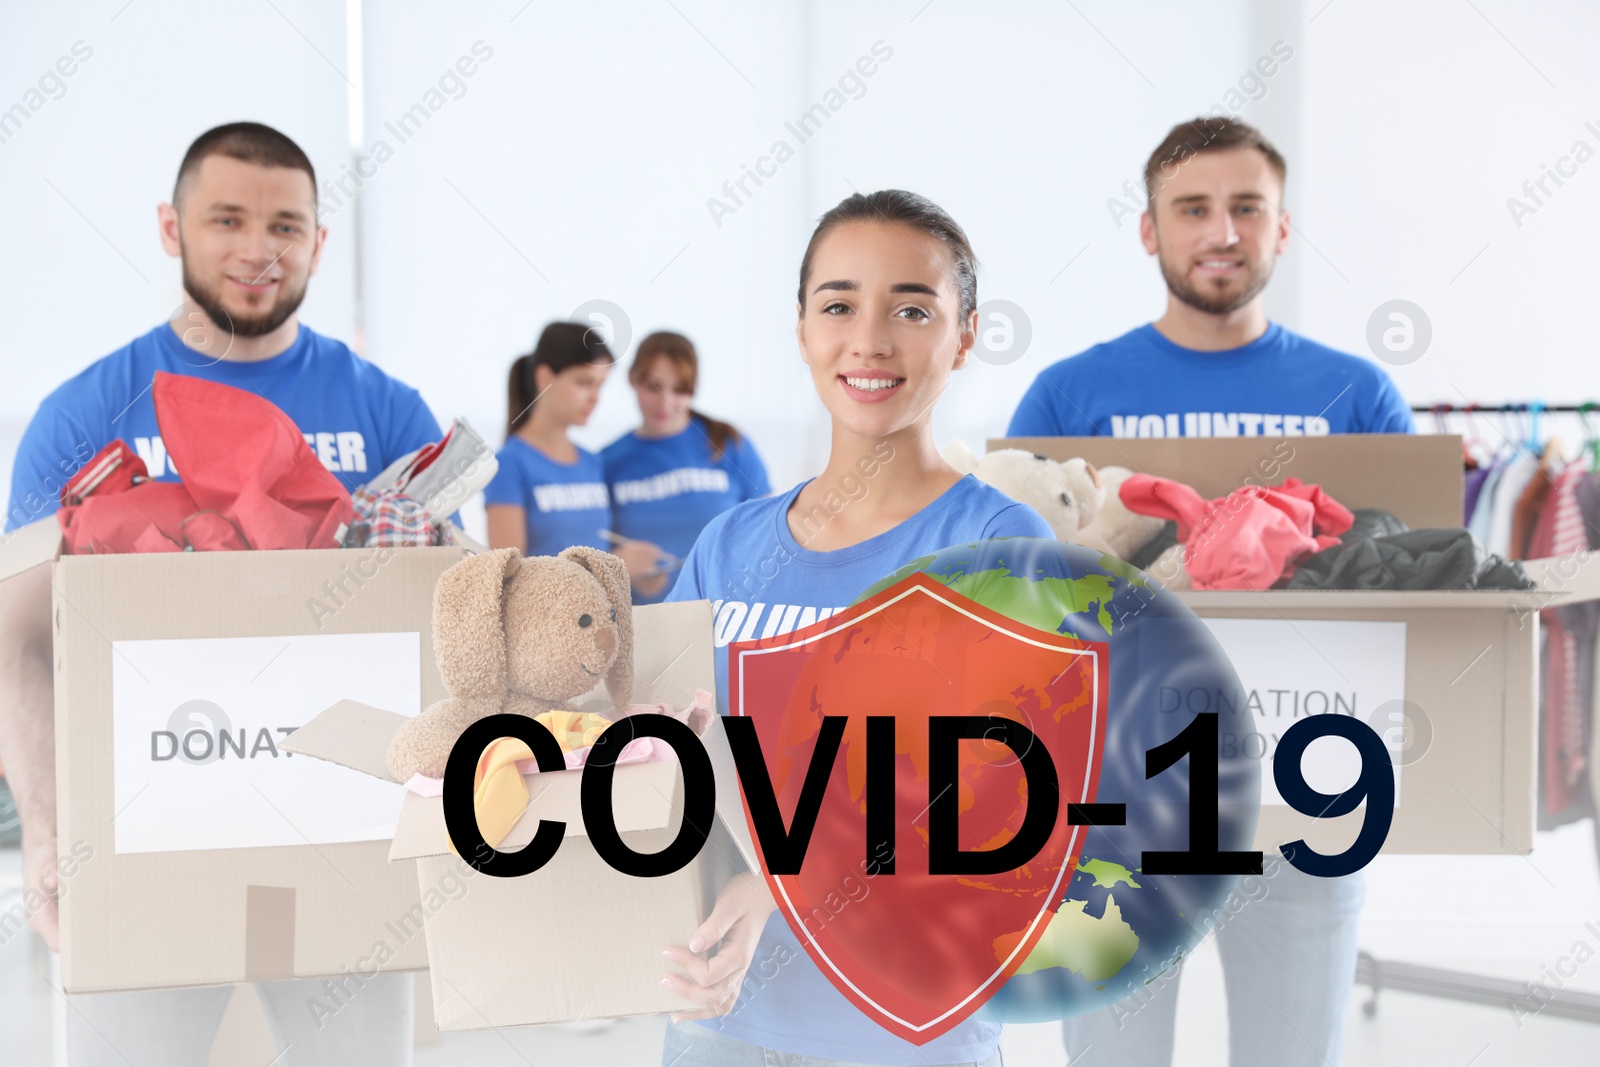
198,729
1293,668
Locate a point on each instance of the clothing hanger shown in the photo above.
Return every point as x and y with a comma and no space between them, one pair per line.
1509,432
1481,452
1591,440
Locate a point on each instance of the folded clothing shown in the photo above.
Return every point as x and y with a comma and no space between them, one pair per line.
410,501
1444,558
1373,522
390,518
443,475
448,474
1156,547
1252,538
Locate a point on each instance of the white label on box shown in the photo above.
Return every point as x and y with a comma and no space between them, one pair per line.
1294,668
197,729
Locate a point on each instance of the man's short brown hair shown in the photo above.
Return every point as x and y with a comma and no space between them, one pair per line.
248,142
1214,134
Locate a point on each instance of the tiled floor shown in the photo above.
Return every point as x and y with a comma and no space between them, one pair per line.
1447,911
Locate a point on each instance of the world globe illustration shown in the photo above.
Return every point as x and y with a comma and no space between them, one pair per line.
1117,929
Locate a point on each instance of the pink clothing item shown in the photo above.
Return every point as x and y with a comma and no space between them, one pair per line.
1252,538
240,455
147,517
249,481
697,716
112,469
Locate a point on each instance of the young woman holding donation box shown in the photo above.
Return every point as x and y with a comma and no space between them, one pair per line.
680,469
549,493
887,311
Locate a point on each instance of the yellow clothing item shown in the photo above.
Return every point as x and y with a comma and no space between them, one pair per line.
573,730
499,794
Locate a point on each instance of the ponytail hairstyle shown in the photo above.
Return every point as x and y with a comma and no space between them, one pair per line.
680,351
898,208
562,345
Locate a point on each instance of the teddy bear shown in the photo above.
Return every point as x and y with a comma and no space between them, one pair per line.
1067,495
1116,530
524,635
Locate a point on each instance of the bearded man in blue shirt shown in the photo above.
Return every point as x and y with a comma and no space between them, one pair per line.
243,220
1213,366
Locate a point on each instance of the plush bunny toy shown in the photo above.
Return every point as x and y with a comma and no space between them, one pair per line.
520,635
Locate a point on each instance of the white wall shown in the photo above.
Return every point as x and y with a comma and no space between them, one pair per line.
1422,119
576,164
83,270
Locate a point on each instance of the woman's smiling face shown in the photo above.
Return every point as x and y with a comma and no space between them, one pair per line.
881,327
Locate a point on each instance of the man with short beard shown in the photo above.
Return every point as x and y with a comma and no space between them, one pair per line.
243,219
1213,366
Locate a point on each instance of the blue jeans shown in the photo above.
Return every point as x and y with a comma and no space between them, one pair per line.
691,1045
1288,964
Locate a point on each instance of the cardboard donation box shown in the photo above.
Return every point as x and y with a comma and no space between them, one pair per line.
1448,678
575,939
209,853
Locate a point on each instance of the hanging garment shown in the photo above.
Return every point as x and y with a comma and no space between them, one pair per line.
1555,802
1594,747
1559,532
1531,502
1250,539
1522,469
1526,514
1577,628
1479,522
1447,558
1588,497
1471,487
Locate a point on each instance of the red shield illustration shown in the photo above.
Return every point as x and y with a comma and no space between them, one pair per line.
920,952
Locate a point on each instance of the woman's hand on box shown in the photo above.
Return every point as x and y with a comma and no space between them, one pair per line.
736,921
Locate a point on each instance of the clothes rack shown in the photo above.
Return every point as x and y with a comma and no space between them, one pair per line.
1526,407
1464,986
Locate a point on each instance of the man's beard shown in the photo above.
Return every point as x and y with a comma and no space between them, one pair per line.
210,301
1178,285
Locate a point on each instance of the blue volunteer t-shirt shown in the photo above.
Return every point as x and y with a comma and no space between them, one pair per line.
355,417
665,489
566,503
761,582
1143,385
